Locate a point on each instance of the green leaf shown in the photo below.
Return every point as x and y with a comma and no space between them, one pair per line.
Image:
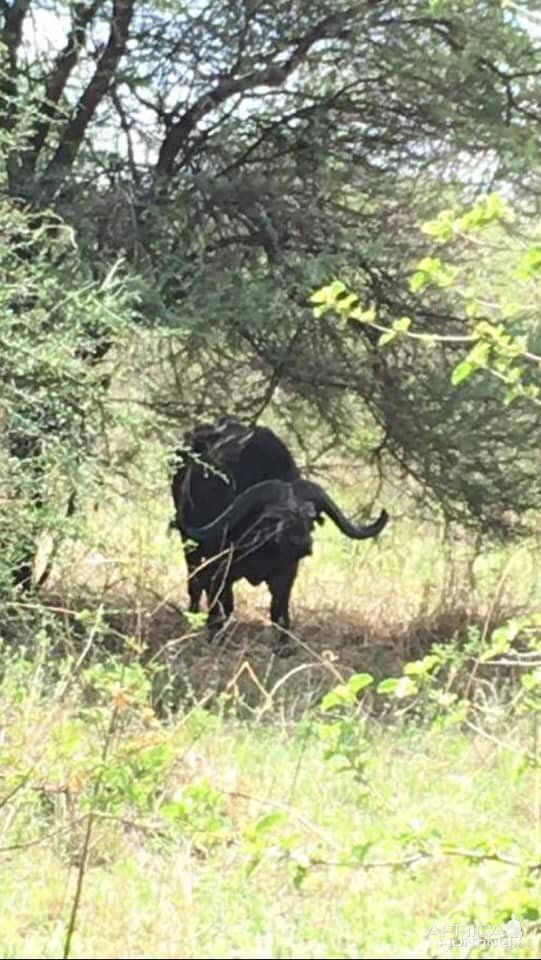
402,325
427,270
334,698
387,337
430,265
346,693
367,315
531,680
502,638
320,296
359,681
462,371
479,354
336,289
421,667
489,209
432,270
398,687
270,821
442,227
196,620
346,304
405,688
530,263
418,280
360,850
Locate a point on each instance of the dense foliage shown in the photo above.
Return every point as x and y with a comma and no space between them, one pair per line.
236,156
56,327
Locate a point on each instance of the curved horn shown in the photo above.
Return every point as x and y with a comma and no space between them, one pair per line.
260,495
309,490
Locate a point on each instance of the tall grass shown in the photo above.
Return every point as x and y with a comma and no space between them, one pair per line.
213,837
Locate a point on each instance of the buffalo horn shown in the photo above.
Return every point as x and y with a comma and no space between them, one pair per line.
323,502
256,497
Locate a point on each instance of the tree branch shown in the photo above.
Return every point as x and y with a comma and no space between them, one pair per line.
96,90
273,75
83,14
11,36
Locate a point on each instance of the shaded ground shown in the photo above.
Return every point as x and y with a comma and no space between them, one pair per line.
252,665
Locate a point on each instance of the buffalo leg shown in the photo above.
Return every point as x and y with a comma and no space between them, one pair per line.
196,579
280,587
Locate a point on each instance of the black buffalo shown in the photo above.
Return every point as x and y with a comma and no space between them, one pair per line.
240,498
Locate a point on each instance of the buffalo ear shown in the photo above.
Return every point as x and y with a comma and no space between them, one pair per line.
320,519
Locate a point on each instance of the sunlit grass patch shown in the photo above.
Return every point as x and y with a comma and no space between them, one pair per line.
212,837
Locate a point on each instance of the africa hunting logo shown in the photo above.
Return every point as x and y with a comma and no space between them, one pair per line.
478,934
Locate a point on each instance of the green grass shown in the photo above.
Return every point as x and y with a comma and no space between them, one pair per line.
229,816
185,861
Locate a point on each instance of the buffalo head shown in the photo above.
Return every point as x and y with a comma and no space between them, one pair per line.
267,529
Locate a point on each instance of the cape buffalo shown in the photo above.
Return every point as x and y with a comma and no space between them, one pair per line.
243,510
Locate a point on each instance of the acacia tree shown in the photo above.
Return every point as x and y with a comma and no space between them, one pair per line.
239,153
53,412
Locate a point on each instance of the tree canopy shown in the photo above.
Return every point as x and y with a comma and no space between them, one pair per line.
236,155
